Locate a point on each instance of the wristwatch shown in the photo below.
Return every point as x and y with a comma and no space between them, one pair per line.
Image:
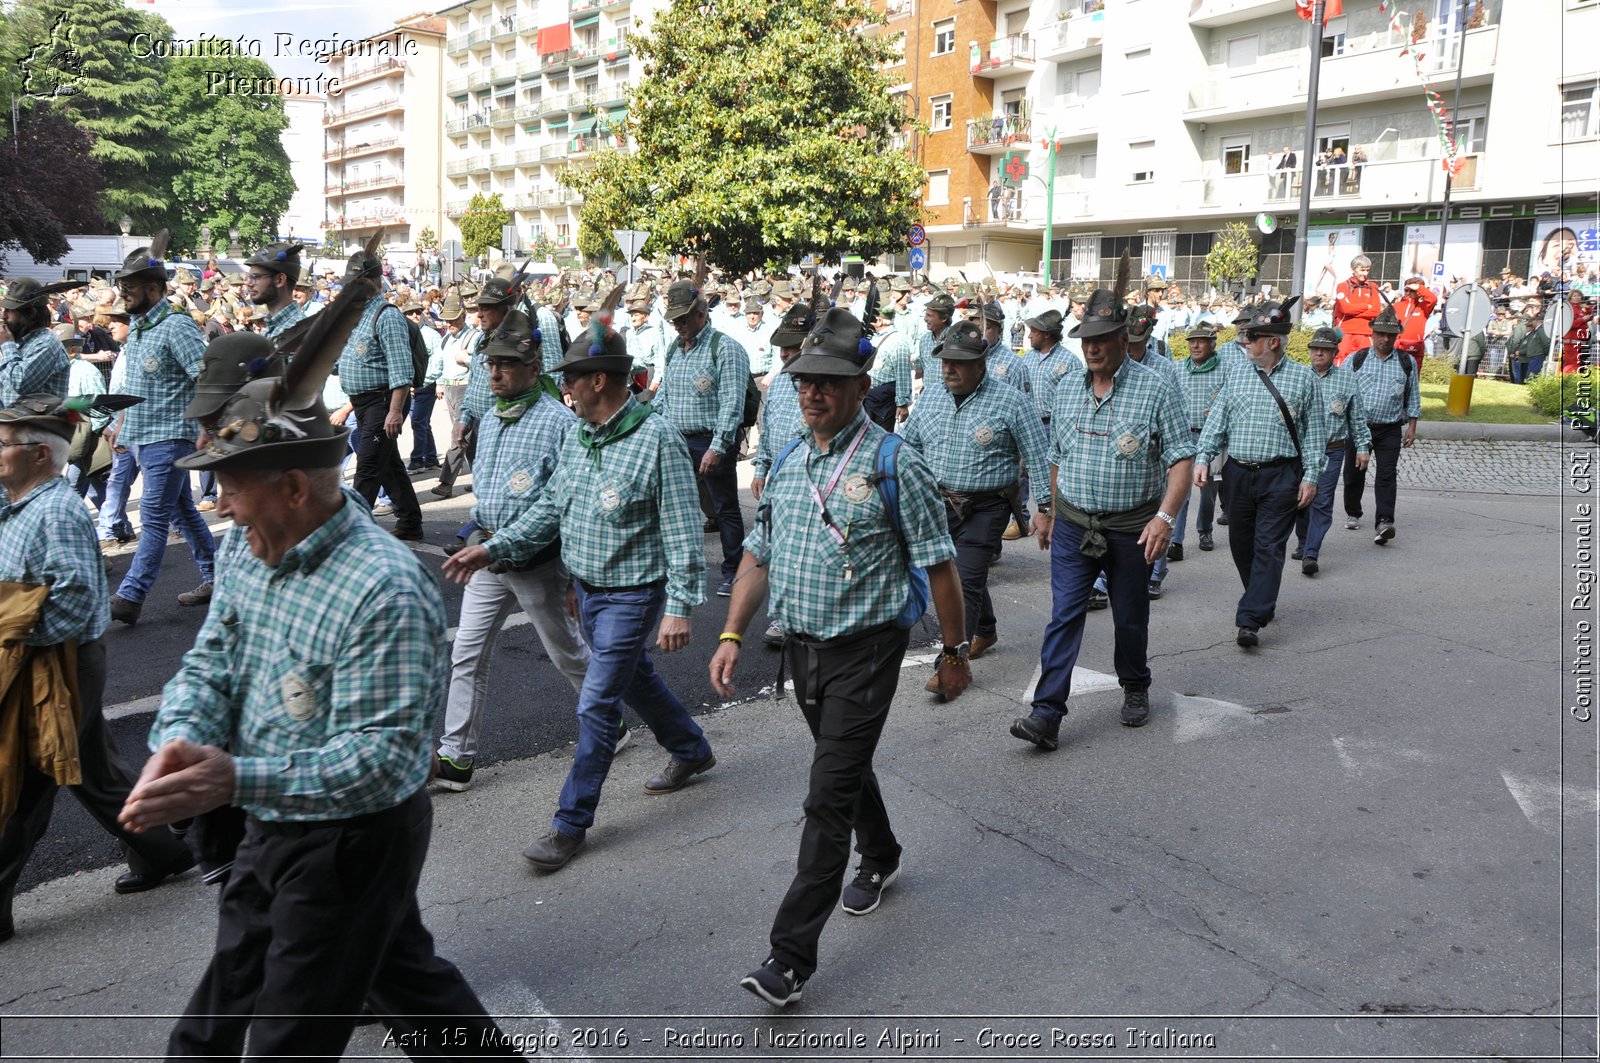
959,652
1171,522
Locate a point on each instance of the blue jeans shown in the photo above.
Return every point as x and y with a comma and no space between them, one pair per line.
1071,575
114,522
617,625
1204,517
1312,523
424,451
167,500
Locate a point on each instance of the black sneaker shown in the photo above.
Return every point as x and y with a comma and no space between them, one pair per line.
1248,636
1098,600
1308,567
1036,729
1385,533
774,983
1175,552
1223,520
1155,589
124,611
449,775
1299,552
215,874
866,892
1207,543
1135,706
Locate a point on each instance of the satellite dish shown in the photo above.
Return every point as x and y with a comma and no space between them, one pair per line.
1467,310
1266,224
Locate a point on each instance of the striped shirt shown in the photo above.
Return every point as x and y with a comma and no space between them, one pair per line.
323,676
1345,411
377,357
1246,418
37,366
516,458
702,388
47,537
781,421
978,444
825,590
628,513
160,362
1383,387
1112,454
1046,370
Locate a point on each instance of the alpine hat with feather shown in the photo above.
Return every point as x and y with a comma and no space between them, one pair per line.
146,263
60,416
1106,313
835,347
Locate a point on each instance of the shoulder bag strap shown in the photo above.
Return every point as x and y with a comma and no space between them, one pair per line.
1283,409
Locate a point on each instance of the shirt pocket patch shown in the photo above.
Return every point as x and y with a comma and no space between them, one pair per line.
1130,440
303,689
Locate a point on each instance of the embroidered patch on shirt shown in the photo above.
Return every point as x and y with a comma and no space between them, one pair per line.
299,701
151,363
984,435
610,499
856,489
703,384
520,481
1128,443
1336,406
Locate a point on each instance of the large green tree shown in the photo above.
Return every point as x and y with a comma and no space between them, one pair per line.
763,132
480,226
233,170
1233,257
78,57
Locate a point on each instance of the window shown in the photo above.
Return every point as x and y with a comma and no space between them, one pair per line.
1086,258
1578,110
897,49
1138,69
1333,38
1011,103
1243,52
1235,155
1158,252
563,235
1087,167
623,27
1142,154
942,108
1472,128
944,36
938,188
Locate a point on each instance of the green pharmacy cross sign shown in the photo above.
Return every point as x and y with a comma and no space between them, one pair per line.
1014,169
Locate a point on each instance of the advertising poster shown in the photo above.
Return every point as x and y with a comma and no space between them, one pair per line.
1562,244
1328,255
1463,253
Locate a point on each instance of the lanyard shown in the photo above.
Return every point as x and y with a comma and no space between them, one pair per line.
821,497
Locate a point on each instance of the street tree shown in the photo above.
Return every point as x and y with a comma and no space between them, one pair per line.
234,172
52,186
427,237
762,131
1233,256
480,226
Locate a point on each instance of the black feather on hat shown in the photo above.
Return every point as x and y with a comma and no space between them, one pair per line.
1106,312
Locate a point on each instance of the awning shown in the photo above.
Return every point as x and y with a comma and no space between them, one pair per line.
581,128
586,20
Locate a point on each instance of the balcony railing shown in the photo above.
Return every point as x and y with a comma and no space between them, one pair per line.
592,142
557,150
503,27
1070,38
346,151
456,208
476,120
998,134
350,114
396,178
1006,55
457,86
529,68
351,76
555,103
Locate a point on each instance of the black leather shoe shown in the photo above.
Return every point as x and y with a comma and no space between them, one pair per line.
1135,706
411,535
124,611
1297,555
1175,552
675,776
139,881
1309,567
1248,636
1041,732
455,548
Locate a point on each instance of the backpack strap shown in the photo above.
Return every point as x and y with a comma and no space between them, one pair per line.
888,484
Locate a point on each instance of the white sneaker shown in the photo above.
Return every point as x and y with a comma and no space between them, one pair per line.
1352,523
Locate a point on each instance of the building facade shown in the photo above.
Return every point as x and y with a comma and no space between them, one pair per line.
1171,118
382,135
303,143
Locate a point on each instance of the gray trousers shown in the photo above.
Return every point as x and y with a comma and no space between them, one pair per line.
487,602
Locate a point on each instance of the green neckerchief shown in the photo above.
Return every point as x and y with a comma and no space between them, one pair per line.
513,408
1208,366
149,322
623,428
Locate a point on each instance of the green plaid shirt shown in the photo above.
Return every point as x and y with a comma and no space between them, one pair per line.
1112,454
479,397
377,356
702,388
48,537
515,460
1201,386
628,514
893,364
1383,387
1046,371
1006,367
819,588
1346,413
37,366
978,445
323,676
1246,418
932,364
781,421
159,363
286,319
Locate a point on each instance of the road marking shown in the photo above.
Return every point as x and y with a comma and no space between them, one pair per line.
1540,801
517,1000
1084,681
1358,754
1204,717
132,708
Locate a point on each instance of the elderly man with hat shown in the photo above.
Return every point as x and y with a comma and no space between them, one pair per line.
1200,379
53,601
1163,318
1271,418
1347,426
835,558
375,371
269,280
622,503
701,391
1120,459
644,339
937,314
302,293
32,359
1391,398
308,700
976,433
159,364
754,333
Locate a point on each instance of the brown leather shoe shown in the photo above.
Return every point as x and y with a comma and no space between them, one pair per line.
1013,532
675,776
982,644
932,685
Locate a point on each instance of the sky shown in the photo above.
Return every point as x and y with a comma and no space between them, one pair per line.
262,23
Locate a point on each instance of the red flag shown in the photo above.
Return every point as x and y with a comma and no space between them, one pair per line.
1303,9
1333,9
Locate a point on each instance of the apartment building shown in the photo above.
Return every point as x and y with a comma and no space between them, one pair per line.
303,143
529,89
1170,118
382,136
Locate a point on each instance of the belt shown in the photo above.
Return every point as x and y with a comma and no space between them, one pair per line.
1384,424
1273,464
697,435
1332,446
590,588
300,828
845,639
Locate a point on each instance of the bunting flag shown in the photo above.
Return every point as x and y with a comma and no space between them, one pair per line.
1444,124
555,31
1304,9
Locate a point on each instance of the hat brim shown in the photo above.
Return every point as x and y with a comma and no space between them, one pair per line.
959,354
323,453
1090,328
673,313
208,401
1043,326
780,338
604,363
49,423
827,365
1378,330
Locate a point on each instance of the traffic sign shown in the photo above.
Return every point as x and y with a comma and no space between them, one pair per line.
919,235
630,242
1438,268
919,258
1467,310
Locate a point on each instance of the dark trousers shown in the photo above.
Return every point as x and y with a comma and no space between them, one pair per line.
108,775
424,451
844,687
1261,512
378,461
1312,523
1386,456
1072,577
977,540
316,919
722,483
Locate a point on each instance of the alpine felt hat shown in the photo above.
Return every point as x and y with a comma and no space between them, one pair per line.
834,347
231,362
60,416
962,342
797,323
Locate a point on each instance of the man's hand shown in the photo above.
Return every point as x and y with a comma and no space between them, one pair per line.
1362,460
5,334
955,676
572,601
1307,493
110,435
464,562
183,779
723,663
709,461
1042,526
901,413
1202,475
458,432
1155,537
1410,436
674,634
392,423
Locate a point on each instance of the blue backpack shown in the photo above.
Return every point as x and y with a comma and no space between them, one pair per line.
888,485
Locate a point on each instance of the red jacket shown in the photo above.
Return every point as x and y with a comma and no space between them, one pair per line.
1576,339
1413,309
1355,304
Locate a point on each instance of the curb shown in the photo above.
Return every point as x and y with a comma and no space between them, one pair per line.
1458,430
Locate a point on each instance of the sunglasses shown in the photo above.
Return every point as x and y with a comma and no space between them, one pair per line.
828,385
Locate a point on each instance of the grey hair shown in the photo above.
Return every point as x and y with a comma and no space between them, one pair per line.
59,447
1359,261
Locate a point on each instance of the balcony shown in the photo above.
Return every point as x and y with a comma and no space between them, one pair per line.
584,102
456,45
503,74
557,150
1072,38
557,60
457,86
1396,183
480,78
555,103
528,157
529,68
343,115
1077,119
367,71
351,151
503,28
525,201
502,160
1007,55
997,135
1213,13
612,96
470,164
578,7
457,208
461,126
478,37
502,116
396,177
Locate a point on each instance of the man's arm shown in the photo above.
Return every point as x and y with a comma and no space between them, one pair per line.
749,591
681,534
733,377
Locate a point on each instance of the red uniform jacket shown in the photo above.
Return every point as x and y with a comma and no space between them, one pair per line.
1355,304
1576,339
1413,309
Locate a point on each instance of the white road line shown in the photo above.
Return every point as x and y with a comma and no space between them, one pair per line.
512,1001
1084,681
1203,717
1345,758
132,708
1357,755
1540,801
